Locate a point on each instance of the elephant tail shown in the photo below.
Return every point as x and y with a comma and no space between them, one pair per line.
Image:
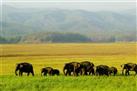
122,65
32,72
16,72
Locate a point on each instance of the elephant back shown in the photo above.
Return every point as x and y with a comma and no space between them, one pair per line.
129,66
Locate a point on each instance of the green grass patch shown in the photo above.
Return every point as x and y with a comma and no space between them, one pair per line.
69,83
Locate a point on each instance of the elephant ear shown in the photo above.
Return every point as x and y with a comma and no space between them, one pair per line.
21,66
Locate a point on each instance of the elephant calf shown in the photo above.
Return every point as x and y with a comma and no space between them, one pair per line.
113,70
24,67
128,67
49,71
87,68
55,72
46,71
102,70
68,69
72,67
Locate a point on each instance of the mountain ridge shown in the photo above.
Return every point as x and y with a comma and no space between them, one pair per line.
96,25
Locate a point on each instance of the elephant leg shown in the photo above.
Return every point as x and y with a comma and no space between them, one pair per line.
32,73
92,71
69,73
127,72
28,73
45,74
66,73
99,73
82,72
107,74
74,73
122,71
96,73
86,73
58,74
114,73
50,73
77,73
135,73
19,73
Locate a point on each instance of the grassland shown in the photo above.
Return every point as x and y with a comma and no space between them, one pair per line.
55,55
62,83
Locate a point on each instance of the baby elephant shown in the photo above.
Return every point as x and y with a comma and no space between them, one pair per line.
46,71
49,71
55,72
102,70
113,70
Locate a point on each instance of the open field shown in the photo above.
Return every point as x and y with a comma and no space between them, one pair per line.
55,55
62,83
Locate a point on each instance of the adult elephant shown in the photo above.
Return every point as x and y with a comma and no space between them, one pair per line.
68,69
128,67
102,70
72,67
47,71
135,69
87,68
24,67
113,70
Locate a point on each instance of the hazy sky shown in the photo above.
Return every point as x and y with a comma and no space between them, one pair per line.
69,0
92,5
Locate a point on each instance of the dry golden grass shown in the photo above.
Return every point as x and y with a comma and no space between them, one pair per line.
55,55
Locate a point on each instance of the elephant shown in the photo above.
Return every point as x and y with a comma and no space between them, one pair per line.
128,67
87,68
46,71
72,67
55,72
102,70
113,70
68,69
24,67
135,69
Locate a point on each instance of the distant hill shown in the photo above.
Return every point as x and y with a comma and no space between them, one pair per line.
54,37
98,26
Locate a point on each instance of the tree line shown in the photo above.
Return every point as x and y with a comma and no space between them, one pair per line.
60,37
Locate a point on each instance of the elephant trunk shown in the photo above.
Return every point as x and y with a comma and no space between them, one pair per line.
122,69
41,73
16,71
